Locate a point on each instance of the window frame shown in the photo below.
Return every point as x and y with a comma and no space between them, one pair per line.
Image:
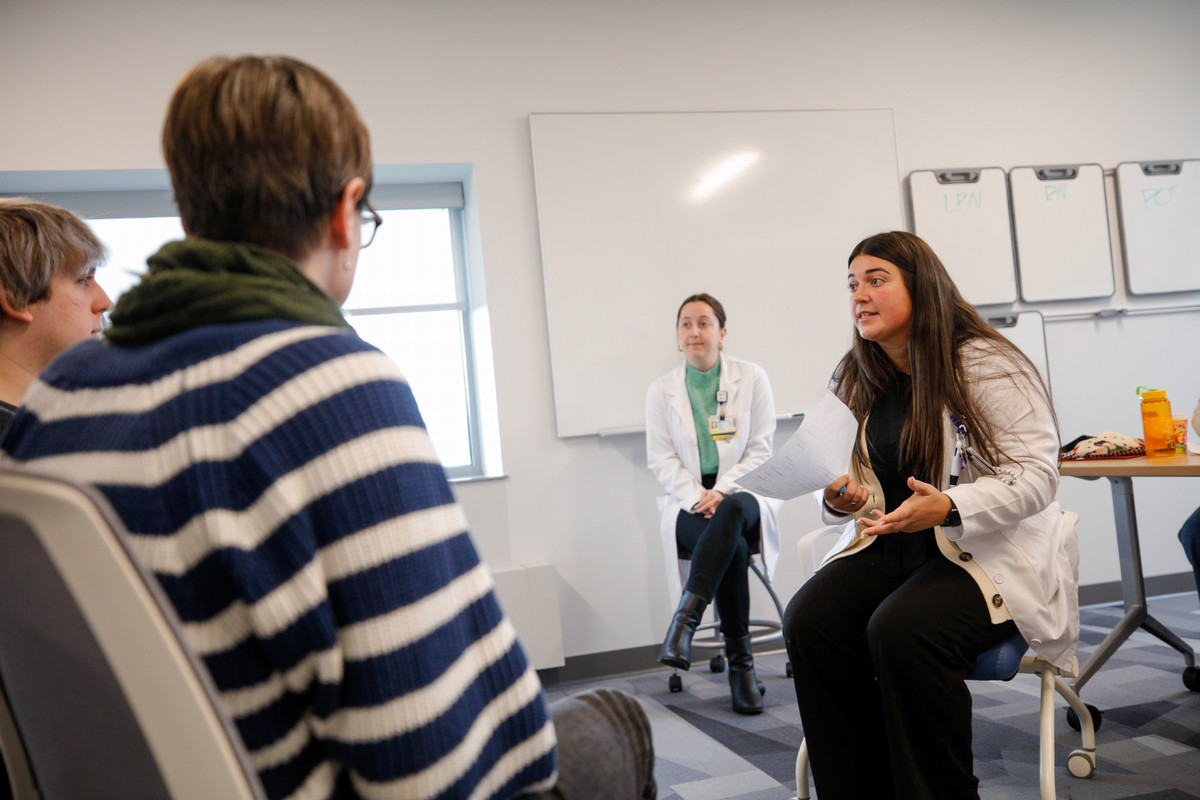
128,194
385,198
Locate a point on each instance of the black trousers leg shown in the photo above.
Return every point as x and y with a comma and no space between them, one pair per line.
1189,537
720,551
923,640
733,593
840,707
880,654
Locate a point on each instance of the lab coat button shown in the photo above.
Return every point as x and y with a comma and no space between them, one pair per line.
1035,642
964,556
998,577
997,600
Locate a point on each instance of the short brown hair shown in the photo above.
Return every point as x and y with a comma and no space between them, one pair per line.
39,241
259,149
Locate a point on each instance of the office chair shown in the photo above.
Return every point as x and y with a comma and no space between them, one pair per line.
1001,662
106,700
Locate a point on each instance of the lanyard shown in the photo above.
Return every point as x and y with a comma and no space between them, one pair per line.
722,397
964,454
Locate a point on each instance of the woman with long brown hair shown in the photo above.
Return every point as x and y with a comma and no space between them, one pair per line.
954,539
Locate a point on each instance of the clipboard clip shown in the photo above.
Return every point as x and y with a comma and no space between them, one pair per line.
1057,173
957,176
1162,167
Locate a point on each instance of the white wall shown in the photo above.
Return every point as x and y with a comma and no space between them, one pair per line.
1001,82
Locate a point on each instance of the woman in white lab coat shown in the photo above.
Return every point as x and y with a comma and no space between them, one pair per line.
954,539
709,421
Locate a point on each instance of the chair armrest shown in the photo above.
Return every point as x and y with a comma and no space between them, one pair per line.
813,550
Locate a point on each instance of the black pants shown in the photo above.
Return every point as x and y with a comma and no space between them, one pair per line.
720,549
881,643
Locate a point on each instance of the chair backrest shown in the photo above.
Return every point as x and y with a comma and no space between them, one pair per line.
105,699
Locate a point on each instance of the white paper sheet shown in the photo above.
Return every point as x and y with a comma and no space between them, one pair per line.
818,452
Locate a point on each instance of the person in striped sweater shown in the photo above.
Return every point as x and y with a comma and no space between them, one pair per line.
274,472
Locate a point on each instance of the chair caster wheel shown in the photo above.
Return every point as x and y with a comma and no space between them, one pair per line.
675,683
787,670
1081,764
1097,717
1191,678
717,664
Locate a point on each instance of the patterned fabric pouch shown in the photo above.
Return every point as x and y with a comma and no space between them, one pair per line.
1109,444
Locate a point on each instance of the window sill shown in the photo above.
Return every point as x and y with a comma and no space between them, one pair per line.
478,478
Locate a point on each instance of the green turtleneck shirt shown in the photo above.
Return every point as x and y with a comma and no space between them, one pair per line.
702,391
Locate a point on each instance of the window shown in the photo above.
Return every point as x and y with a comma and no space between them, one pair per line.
410,296
409,299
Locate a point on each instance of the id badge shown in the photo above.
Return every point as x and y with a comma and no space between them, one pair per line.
722,428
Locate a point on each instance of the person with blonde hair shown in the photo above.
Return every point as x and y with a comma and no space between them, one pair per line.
49,297
275,474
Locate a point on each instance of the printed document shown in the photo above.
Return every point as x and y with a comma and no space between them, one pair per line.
818,452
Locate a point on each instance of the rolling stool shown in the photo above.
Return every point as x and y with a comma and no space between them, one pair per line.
762,631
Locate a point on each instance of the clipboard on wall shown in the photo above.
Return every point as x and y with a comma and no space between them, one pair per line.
964,216
1027,330
1159,205
1060,221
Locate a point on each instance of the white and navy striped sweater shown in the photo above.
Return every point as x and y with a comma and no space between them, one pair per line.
279,481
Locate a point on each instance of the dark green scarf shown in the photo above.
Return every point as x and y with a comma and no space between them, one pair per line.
197,282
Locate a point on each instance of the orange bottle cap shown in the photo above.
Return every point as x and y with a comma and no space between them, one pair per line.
1154,394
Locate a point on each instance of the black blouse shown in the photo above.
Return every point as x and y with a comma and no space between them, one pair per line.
884,427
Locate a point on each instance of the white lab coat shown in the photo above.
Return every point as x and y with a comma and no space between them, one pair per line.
1017,534
673,453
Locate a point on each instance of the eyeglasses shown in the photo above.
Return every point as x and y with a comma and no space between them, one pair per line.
370,225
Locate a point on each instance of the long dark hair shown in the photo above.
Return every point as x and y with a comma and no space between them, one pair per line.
942,322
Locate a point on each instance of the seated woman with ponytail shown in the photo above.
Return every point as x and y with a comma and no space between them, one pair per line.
709,421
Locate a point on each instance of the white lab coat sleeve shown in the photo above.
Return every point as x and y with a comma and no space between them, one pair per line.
759,438
1025,432
662,454
828,515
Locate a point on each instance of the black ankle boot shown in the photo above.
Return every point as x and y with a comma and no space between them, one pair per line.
676,650
743,684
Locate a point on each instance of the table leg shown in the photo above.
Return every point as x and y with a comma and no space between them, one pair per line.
1133,588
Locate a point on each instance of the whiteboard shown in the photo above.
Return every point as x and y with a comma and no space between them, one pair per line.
963,215
1027,330
631,224
1159,205
1060,218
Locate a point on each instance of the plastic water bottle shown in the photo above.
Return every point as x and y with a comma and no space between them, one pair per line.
1156,422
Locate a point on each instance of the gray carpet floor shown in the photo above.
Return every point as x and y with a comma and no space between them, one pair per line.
1148,744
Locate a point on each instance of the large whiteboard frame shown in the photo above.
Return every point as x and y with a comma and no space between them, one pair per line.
623,243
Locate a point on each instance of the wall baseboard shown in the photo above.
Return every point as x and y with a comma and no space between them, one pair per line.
1100,593
634,660
631,661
